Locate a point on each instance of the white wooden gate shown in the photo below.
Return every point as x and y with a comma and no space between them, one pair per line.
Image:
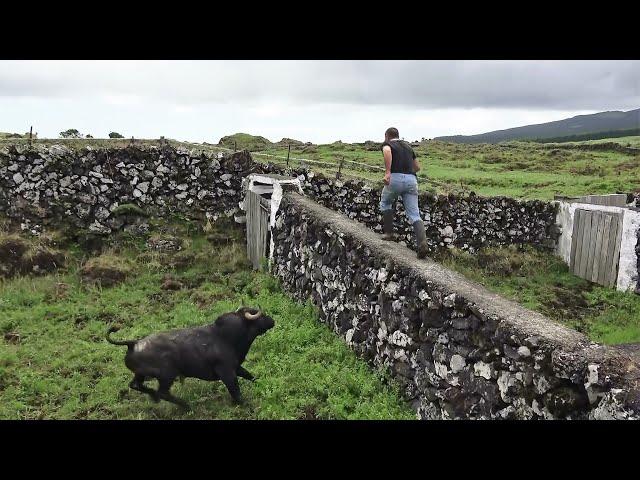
258,211
595,248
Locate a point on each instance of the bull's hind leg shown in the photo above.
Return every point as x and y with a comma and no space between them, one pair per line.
138,384
164,394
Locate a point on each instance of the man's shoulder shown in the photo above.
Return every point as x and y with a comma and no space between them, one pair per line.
385,144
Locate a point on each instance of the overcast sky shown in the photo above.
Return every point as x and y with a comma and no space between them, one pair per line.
317,101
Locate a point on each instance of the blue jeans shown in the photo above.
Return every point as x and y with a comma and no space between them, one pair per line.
405,185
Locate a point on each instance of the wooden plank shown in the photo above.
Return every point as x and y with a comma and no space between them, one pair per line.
613,200
610,247
591,250
250,226
616,252
603,234
597,251
574,240
259,241
265,230
248,222
256,235
586,238
606,251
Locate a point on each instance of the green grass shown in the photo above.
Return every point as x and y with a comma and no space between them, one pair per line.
632,141
62,367
542,282
518,169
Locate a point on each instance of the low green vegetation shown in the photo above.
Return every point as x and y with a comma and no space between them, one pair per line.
627,141
518,169
542,282
56,364
526,170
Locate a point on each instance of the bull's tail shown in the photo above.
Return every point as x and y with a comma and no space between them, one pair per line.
128,343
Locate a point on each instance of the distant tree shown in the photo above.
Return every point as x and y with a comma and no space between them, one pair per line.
115,135
71,133
89,136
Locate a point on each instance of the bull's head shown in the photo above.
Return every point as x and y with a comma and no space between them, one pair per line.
256,318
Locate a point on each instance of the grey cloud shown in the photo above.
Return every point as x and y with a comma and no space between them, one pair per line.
549,85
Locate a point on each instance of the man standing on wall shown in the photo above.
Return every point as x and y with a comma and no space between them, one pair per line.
400,179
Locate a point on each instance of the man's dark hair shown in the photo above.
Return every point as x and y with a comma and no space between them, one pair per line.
392,133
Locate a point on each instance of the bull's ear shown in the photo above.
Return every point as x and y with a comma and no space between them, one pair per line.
239,308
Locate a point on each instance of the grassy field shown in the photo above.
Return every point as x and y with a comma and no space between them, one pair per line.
56,364
517,169
633,141
542,282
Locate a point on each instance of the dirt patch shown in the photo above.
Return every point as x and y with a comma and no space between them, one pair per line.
568,304
60,291
12,337
218,238
588,170
205,300
27,256
105,270
171,283
628,165
174,261
309,413
12,248
491,159
509,261
43,260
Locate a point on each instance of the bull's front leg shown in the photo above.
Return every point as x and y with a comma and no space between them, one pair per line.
230,380
242,372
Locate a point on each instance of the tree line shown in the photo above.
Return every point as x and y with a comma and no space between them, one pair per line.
74,133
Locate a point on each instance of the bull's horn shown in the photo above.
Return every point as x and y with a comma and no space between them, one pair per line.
248,316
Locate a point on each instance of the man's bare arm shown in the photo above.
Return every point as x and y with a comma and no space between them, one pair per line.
386,151
416,165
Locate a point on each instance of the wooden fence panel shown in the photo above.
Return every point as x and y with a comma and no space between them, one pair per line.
595,246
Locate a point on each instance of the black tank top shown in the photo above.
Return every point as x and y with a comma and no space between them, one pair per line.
402,157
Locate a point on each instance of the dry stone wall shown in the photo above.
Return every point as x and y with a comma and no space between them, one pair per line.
467,222
104,190
458,350
95,189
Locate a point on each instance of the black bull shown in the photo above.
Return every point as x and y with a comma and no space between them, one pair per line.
210,352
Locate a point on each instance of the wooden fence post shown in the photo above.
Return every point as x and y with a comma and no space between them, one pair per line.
30,134
288,152
235,147
339,173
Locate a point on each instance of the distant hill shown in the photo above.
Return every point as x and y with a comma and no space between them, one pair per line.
571,127
6,135
257,143
245,141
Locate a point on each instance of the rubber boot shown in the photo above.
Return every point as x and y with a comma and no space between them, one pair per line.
421,239
387,226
